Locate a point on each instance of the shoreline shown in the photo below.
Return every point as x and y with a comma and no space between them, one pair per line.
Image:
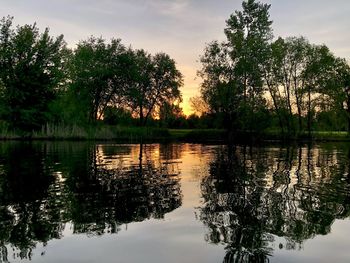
148,134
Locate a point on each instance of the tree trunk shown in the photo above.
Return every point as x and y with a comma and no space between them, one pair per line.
141,121
231,129
276,108
299,119
309,113
289,105
348,113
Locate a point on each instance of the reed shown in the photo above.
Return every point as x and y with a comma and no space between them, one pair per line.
99,132
6,133
61,131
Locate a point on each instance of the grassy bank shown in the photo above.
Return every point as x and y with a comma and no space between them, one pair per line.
329,136
137,134
102,132
115,133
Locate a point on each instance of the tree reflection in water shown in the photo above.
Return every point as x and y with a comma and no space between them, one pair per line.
94,188
252,195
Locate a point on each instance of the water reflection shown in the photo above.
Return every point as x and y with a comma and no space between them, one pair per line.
93,188
252,195
255,202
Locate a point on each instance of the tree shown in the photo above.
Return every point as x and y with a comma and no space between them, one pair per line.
284,79
273,77
232,71
98,76
248,33
31,72
154,81
198,105
117,116
171,115
319,76
298,76
337,89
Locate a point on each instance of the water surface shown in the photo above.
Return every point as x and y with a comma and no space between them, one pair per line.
81,202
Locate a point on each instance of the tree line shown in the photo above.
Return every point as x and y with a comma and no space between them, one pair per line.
252,81
42,80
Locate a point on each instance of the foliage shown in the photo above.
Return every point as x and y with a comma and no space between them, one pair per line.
250,79
154,81
297,75
98,73
31,73
117,116
171,115
198,105
231,71
251,83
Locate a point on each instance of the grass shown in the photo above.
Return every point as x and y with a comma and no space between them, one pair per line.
100,132
50,131
6,133
137,134
315,136
115,133
330,136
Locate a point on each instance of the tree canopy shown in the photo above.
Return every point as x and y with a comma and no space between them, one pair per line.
31,71
41,80
251,81
155,81
250,78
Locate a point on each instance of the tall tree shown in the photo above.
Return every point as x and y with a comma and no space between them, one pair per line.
285,80
319,75
219,88
248,34
273,77
98,76
31,72
337,89
298,77
232,71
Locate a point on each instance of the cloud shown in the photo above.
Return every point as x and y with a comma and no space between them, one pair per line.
170,7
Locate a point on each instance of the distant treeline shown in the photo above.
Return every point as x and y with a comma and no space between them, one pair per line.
250,83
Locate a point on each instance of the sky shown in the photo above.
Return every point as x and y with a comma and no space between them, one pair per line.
180,28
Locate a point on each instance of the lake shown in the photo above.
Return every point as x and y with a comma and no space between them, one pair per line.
86,202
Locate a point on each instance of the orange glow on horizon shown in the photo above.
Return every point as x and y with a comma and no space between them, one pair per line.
190,87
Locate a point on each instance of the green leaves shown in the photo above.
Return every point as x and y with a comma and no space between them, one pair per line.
232,70
155,81
95,70
109,75
249,75
30,70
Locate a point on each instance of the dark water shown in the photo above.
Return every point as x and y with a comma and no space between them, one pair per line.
80,202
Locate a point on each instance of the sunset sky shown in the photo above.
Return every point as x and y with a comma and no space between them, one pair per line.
180,28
